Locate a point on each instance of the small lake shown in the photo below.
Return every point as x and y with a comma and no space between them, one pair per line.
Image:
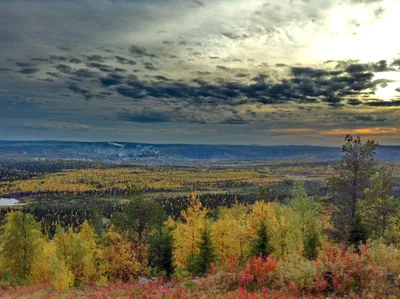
9,202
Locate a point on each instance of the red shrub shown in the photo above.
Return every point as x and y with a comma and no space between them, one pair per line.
258,270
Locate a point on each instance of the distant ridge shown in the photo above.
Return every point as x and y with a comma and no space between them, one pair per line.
176,154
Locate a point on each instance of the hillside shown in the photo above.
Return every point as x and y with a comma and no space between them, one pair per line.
174,154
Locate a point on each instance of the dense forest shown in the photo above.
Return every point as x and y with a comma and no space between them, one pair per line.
340,241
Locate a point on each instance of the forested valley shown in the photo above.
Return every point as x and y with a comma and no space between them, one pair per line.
87,230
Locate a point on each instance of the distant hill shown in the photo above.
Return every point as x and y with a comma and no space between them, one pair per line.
174,154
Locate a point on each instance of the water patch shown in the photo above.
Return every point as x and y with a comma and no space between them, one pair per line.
8,202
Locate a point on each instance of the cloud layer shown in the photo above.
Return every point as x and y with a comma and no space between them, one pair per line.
242,71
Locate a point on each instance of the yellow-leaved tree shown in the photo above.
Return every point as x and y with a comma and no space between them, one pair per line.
42,265
123,258
261,211
91,257
230,234
187,234
78,252
285,234
20,245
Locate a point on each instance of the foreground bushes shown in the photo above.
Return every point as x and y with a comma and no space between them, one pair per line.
337,272
200,256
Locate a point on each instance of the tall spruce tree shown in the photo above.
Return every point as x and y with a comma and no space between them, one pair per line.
261,244
200,263
160,252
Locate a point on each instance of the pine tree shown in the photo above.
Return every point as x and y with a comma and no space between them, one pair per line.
351,178
261,244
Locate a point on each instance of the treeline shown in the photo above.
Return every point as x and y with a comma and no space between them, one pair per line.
72,213
14,170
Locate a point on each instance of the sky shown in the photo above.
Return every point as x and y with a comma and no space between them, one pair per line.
203,71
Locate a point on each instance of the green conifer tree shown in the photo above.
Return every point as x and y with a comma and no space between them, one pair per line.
200,263
261,244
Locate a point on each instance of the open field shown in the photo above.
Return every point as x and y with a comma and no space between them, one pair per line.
74,181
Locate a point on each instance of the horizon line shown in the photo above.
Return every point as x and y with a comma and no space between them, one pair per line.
174,143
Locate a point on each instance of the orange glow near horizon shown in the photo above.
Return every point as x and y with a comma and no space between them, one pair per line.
340,132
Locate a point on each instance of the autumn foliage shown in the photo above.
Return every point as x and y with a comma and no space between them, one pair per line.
257,249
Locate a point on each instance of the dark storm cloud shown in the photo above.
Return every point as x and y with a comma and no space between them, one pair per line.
161,78
112,79
308,72
74,60
333,100
395,103
202,73
234,36
79,90
334,86
59,58
39,59
102,67
5,69
28,70
199,81
24,64
84,73
69,59
396,62
241,75
380,66
308,85
222,68
96,58
354,102
140,51
130,92
149,66
123,60
52,74
63,68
